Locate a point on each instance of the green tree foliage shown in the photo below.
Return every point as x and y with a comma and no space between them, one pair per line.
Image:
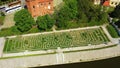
88,13
80,11
103,17
67,13
86,9
45,22
112,31
24,20
2,13
116,12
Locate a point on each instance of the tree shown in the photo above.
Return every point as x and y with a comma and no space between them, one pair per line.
103,17
45,22
2,13
116,12
91,14
24,20
82,17
67,13
87,9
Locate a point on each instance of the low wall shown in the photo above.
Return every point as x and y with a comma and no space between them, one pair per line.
89,47
2,43
59,31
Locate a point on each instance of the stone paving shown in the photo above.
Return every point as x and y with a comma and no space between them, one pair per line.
62,58
9,21
2,41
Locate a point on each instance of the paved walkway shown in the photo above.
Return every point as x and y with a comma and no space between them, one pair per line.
56,31
9,21
62,58
2,41
113,40
106,32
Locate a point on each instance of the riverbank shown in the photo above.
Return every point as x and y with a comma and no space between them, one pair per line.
61,58
106,63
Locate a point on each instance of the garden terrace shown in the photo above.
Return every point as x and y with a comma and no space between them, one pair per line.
49,41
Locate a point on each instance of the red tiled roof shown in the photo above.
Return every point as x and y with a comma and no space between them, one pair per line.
106,3
40,0
44,0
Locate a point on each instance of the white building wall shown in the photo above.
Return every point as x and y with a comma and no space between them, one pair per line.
114,3
9,10
97,2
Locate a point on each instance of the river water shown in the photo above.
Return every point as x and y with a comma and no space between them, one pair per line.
106,63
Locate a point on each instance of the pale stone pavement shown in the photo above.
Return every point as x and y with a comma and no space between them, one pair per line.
2,41
62,58
9,21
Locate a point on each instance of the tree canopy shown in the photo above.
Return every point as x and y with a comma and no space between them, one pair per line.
67,13
116,12
45,22
89,13
24,20
80,11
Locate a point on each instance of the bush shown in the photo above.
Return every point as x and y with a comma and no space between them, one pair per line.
24,20
112,31
2,19
45,22
9,31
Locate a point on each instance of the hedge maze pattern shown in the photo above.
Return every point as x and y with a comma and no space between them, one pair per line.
52,41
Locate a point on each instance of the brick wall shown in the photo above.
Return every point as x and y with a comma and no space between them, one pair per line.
40,7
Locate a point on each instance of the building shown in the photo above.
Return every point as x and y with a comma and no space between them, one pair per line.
106,2
11,7
114,3
96,2
40,7
101,2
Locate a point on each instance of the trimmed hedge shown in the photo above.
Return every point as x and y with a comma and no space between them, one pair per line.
112,31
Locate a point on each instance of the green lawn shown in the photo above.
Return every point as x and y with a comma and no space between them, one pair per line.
52,41
14,31
112,31
2,19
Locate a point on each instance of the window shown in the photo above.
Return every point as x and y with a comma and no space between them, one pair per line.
116,3
33,6
49,7
112,2
41,4
49,3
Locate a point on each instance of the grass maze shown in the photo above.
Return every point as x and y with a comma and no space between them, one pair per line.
75,38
